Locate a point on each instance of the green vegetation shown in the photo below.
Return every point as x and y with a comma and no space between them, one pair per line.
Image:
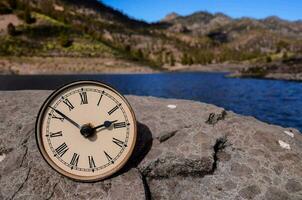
17,46
48,19
49,37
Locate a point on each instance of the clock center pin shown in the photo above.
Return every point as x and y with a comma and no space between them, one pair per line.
87,130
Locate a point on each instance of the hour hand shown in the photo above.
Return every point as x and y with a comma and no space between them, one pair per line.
67,118
106,124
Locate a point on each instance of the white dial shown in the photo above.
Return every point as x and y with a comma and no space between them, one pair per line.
86,130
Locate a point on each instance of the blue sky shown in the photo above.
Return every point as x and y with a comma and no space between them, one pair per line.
154,10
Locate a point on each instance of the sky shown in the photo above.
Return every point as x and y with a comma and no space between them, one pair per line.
155,10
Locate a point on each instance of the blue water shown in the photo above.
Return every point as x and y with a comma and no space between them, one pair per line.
272,101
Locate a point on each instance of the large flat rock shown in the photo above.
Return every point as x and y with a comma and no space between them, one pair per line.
185,150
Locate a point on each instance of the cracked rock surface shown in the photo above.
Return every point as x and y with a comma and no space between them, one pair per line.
193,151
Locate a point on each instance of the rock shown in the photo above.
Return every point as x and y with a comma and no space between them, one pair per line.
293,186
170,17
179,155
249,192
214,118
276,194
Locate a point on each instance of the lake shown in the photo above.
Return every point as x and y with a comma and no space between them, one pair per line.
272,101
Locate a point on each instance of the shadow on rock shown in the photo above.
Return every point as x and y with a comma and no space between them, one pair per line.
142,147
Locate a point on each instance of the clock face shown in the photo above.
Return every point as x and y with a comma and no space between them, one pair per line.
86,130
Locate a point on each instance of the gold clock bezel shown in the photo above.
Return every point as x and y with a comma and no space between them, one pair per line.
46,156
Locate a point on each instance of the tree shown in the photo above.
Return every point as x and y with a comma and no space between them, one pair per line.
184,59
11,29
190,61
172,60
13,4
4,9
127,48
139,54
268,59
65,41
159,58
187,60
282,45
27,16
285,56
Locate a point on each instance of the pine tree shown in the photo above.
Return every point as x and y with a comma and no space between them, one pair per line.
65,41
172,60
13,4
139,54
190,61
184,59
268,59
11,29
27,16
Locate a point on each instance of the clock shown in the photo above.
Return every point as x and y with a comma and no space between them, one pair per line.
86,130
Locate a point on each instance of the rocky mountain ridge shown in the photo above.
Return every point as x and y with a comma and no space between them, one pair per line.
76,28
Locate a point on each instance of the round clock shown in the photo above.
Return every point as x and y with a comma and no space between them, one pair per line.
86,130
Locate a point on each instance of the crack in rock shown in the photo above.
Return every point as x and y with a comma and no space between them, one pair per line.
220,144
22,185
24,156
24,144
53,189
214,118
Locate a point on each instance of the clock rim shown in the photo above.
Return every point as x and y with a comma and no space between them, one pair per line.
47,158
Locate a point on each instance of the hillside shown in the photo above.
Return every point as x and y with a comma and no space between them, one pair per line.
88,28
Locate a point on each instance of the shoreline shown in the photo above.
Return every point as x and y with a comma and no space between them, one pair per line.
109,66
69,65
271,76
78,65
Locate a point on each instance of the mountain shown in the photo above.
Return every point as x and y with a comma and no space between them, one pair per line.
170,17
89,28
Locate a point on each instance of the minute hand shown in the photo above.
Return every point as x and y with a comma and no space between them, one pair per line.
67,118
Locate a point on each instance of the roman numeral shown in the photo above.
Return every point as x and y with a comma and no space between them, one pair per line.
67,102
84,99
56,117
119,125
91,162
108,157
57,134
119,143
100,98
61,150
113,109
74,160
